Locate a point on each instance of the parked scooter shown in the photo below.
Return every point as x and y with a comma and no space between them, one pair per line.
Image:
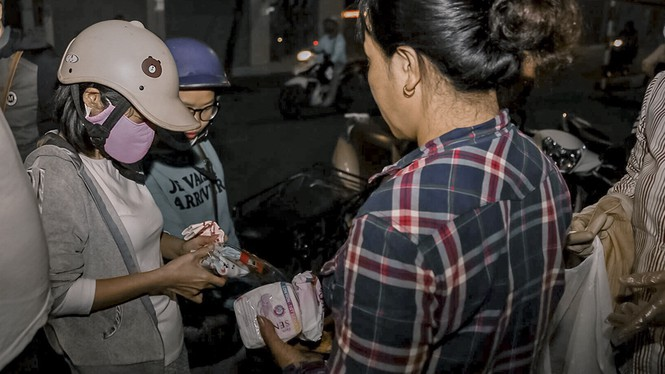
302,221
589,161
367,146
623,50
310,85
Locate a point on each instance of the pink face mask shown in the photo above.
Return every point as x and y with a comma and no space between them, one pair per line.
128,142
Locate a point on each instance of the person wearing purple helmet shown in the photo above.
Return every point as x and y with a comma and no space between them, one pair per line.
188,187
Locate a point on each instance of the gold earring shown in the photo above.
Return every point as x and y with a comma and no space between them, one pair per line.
408,92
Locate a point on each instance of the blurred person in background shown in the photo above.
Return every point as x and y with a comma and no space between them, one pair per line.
28,81
333,44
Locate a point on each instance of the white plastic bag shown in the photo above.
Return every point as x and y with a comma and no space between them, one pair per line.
579,336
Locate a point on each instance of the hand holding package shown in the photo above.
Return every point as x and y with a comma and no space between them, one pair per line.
295,309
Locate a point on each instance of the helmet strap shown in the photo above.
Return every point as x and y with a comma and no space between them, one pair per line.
175,140
99,132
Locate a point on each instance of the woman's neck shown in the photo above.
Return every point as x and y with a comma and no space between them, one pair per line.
448,112
95,155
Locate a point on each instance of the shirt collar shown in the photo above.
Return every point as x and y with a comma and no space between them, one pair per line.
453,138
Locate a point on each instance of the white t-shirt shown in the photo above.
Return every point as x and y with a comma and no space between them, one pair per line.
143,222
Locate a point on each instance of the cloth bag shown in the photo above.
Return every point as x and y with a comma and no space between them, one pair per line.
579,336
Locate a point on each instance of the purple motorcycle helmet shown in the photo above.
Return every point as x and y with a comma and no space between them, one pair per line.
198,65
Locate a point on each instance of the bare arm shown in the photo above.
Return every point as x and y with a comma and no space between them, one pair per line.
173,247
184,276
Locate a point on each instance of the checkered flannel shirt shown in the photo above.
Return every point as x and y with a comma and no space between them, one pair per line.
454,264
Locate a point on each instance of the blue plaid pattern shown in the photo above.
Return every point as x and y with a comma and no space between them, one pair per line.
454,264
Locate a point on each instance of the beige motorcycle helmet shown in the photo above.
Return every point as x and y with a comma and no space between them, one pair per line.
133,61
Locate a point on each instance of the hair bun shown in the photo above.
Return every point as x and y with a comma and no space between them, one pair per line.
547,30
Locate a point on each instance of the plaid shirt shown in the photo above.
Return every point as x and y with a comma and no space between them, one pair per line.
454,264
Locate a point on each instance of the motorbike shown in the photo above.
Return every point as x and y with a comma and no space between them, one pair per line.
588,160
302,221
622,54
310,85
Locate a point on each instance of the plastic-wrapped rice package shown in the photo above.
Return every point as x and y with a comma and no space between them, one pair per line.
310,299
205,228
222,260
275,301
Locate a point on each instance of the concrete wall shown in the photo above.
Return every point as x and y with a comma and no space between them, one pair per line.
70,17
207,20
210,21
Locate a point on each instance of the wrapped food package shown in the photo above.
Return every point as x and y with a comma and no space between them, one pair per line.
295,309
275,301
221,261
205,228
310,299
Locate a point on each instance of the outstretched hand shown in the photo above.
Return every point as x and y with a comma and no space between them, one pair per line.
186,276
629,318
283,353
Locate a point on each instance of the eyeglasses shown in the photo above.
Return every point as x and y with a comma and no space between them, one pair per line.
206,113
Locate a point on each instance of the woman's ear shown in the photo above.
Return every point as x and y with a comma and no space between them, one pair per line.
92,98
408,65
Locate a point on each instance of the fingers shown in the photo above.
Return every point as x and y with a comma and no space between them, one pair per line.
205,240
578,225
647,279
198,298
202,252
283,353
267,330
581,233
213,279
217,281
579,237
597,223
628,320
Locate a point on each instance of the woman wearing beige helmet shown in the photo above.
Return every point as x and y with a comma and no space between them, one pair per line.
114,308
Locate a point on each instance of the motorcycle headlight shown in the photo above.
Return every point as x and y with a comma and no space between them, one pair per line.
303,56
565,159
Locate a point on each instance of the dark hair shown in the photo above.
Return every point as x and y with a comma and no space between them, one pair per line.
476,44
71,122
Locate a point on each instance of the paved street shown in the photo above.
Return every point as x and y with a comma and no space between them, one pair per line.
572,90
259,149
